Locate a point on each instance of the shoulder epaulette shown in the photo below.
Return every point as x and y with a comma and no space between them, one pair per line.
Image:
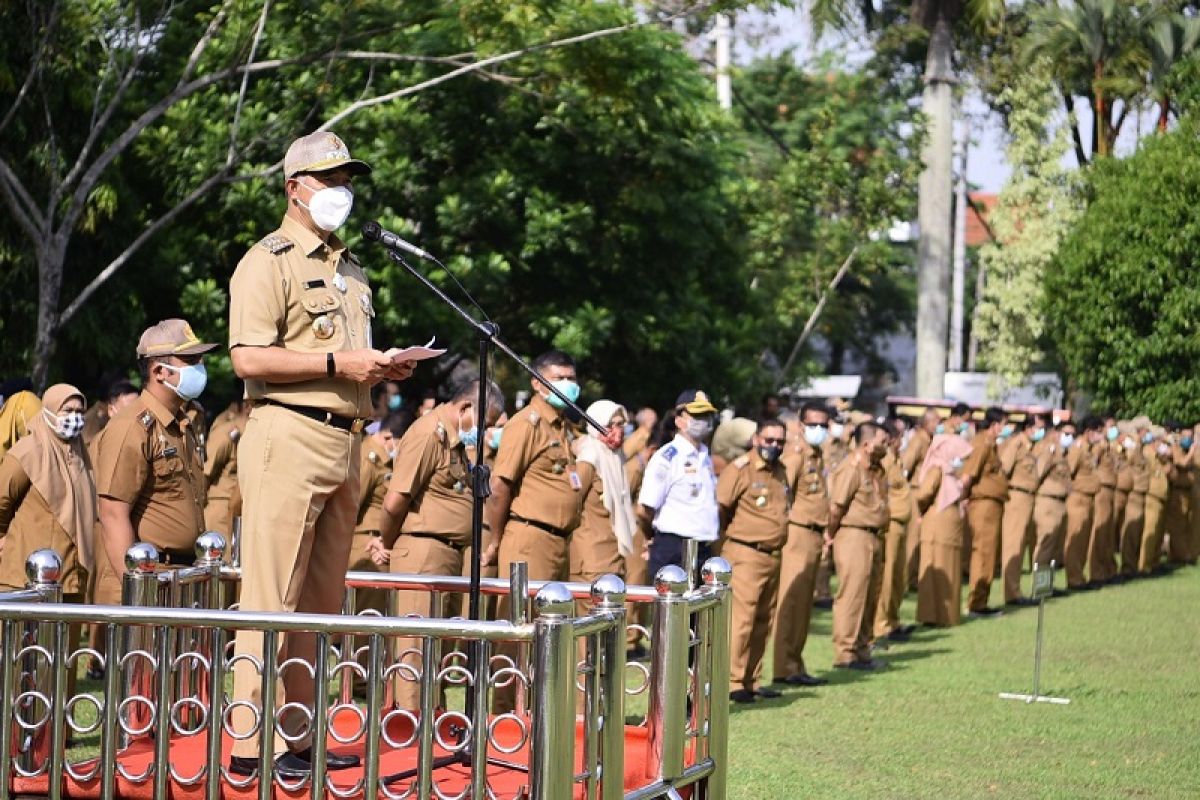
373,457
146,419
276,243
741,461
440,433
534,417
234,433
669,452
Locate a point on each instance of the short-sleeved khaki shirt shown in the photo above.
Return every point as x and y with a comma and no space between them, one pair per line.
149,458
1139,466
914,455
862,491
1081,459
536,459
220,461
1020,463
1052,463
431,468
757,497
295,291
983,468
810,490
374,474
899,490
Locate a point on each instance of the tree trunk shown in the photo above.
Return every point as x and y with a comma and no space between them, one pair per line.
50,274
1164,113
1100,124
934,214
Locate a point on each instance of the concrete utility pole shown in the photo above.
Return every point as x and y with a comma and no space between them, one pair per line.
960,252
723,36
934,214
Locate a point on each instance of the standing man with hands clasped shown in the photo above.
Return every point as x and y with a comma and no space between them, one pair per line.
300,337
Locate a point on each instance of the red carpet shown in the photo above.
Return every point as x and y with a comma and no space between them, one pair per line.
188,756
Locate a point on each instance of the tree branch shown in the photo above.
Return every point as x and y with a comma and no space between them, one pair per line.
237,112
20,202
816,312
202,44
34,67
1080,154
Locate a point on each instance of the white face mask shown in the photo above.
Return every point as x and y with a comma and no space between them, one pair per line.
815,434
65,426
1066,440
329,207
836,429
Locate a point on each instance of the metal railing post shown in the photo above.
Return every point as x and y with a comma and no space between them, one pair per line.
518,614
235,544
608,597
210,554
139,589
666,717
691,554
717,574
552,758
43,569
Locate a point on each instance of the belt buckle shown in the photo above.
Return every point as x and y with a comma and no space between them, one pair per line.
357,425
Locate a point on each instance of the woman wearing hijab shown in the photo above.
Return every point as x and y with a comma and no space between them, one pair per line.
604,538
939,500
48,498
15,416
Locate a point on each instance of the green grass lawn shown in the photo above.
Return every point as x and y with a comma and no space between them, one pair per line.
931,725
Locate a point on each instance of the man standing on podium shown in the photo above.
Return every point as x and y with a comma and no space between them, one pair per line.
300,337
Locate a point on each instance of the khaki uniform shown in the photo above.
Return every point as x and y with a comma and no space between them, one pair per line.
835,452
536,460
800,559
593,549
755,497
985,513
635,443
1081,503
1050,504
298,475
1102,565
374,475
939,582
1134,519
895,567
431,469
862,491
1194,548
1018,461
911,460
1177,516
220,473
1157,491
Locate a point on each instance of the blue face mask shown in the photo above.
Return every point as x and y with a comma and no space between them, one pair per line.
495,439
192,380
940,428
1007,431
1038,434
468,438
394,402
963,428
1186,443
1147,438
1112,433
568,387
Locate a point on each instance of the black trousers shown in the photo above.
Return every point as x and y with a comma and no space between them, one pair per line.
667,548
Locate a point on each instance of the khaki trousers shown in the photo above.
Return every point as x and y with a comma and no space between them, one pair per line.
793,613
548,557
895,578
825,568
1179,525
1050,522
1018,520
637,573
1152,534
419,555
1132,524
217,517
984,517
1102,561
858,557
939,585
755,586
104,589
912,544
1080,509
299,482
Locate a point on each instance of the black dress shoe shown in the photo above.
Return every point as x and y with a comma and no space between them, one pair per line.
292,765
907,630
804,679
898,635
741,696
870,665
767,694
1021,602
95,673
1059,593
825,603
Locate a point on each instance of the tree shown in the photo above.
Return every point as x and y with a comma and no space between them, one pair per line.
149,77
939,18
1122,296
1169,40
1036,210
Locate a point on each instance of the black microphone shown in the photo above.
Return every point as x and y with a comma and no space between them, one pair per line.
374,232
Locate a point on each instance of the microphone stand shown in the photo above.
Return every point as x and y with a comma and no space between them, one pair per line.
488,334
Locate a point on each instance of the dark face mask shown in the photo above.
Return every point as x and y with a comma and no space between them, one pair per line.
770,452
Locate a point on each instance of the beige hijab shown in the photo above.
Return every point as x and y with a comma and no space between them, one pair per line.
16,413
610,466
61,472
945,448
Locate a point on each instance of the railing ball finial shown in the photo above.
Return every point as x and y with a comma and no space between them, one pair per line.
554,600
671,581
43,567
141,557
210,547
716,572
608,590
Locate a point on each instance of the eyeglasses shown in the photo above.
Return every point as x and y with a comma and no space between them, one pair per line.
773,441
815,424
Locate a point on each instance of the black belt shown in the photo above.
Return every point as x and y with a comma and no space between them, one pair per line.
762,548
348,424
1019,489
176,558
559,532
439,538
1059,498
817,529
865,529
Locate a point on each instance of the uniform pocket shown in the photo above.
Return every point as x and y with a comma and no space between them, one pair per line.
327,318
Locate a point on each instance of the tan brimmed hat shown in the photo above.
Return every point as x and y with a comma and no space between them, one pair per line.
171,337
320,152
1140,422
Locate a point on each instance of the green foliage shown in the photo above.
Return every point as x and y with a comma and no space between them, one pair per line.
1123,294
1036,209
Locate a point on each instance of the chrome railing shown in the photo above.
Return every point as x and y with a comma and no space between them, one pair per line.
169,660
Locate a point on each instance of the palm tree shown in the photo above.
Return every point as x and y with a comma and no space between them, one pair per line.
935,190
1169,40
1096,49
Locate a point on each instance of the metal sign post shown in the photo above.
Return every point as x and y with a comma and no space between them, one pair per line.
1043,587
